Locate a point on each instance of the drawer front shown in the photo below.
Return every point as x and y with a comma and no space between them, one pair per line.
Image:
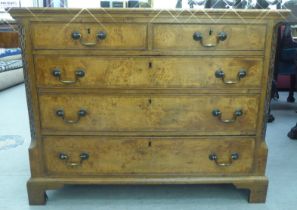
111,113
89,36
152,72
208,37
102,155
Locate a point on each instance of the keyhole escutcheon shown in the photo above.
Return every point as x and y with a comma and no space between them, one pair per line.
150,64
210,32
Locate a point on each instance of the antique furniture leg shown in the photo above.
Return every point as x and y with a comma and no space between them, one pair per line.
258,190
37,191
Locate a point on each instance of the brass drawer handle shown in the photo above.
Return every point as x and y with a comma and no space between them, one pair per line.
83,156
221,36
221,75
81,113
78,74
214,157
101,35
236,114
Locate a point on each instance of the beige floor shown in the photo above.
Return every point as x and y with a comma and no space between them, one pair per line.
14,172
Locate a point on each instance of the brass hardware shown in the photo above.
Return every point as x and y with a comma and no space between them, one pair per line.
220,74
236,114
88,44
83,156
78,74
101,35
221,36
214,157
81,113
76,35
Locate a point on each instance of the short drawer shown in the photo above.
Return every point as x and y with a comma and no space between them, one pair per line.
89,155
89,36
150,72
207,114
190,37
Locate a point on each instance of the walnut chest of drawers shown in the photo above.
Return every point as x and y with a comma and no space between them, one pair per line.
147,97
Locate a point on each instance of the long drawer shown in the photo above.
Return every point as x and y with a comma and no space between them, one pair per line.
191,37
107,36
211,114
66,156
151,72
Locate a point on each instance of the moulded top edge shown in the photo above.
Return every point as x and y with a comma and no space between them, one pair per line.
19,13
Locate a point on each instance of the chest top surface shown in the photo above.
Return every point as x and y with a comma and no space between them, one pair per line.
148,15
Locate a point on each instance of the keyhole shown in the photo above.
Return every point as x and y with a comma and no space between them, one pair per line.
150,65
150,101
210,32
89,31
149,144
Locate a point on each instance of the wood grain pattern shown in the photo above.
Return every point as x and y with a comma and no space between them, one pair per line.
9,40
148,155
149,90
119,36
148,72
180,37
150,113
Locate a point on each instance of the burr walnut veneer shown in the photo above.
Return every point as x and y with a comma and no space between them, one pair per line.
147,97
